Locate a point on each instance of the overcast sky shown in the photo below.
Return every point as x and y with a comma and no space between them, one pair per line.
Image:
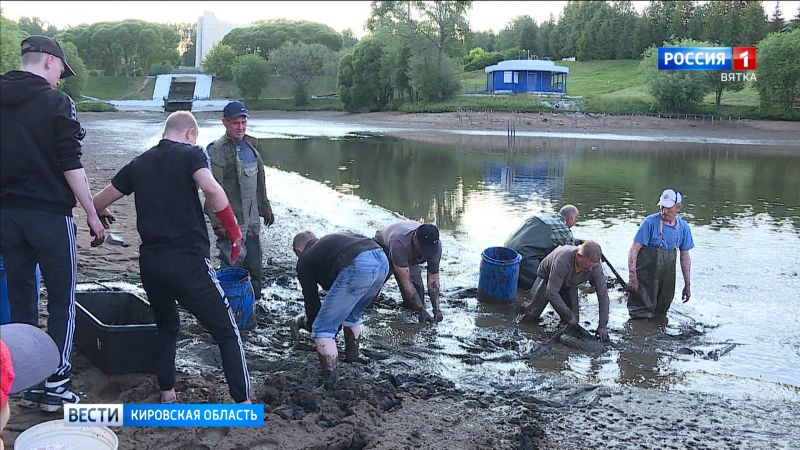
484,15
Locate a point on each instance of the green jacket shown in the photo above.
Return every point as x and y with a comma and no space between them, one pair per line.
222,153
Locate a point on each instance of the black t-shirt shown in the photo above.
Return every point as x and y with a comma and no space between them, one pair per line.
168,210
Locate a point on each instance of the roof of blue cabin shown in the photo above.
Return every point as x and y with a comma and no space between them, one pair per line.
527,65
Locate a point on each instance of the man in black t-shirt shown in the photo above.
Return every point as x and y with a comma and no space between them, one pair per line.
352,268
174,255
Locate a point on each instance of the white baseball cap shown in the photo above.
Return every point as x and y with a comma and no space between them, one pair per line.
669,197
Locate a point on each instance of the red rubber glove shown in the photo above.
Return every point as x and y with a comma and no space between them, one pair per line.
228,222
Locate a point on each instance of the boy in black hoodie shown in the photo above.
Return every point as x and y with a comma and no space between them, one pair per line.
40,177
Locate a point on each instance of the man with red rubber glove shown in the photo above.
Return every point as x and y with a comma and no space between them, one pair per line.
174,257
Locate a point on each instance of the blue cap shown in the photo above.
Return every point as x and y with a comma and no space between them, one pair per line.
235,109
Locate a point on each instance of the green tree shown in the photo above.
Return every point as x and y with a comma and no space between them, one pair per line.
776,22
300,62
546,30
263,37
122,48
220,61
359,83
349,40
521,32
74,86
754,25
675,90
778,83
434,79
485,40
344,81
10,39
251,73
35,26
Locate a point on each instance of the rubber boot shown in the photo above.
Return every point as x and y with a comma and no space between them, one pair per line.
351,345
535,308
329,374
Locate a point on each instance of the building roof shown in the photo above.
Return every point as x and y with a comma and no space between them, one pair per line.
538,65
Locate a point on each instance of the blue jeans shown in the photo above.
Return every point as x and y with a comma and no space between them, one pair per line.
352,291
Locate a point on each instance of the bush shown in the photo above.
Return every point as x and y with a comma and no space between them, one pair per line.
478,59
675,91
431,81
251,74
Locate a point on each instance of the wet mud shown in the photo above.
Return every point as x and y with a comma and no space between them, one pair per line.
476,380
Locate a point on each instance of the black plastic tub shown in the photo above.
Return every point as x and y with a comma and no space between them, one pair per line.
116,330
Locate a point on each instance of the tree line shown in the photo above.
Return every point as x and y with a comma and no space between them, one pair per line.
415,50
590,30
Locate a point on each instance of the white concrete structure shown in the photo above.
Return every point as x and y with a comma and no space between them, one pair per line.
202,86
210,30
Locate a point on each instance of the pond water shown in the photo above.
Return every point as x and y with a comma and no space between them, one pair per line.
742,206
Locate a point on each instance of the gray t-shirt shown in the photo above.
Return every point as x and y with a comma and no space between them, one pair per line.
396,242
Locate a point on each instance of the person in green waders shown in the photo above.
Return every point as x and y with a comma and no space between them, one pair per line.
238,167
651,260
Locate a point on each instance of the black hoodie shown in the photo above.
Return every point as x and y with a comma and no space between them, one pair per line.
40,139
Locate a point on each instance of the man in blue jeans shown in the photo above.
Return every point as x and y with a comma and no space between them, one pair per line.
352,268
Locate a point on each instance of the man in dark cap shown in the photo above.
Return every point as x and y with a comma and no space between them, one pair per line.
408,244
42,175
238,167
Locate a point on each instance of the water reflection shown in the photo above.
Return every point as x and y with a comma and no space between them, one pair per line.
608,181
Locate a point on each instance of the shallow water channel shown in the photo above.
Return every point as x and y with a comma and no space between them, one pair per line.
737,336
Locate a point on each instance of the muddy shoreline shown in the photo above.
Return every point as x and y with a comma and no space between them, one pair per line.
397,396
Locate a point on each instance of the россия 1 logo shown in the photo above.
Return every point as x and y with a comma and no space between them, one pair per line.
725,59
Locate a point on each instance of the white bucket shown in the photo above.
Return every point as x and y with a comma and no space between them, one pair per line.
53,435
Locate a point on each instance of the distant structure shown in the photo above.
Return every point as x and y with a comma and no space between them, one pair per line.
210,30
516,76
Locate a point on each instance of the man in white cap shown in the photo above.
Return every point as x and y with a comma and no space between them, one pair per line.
651,260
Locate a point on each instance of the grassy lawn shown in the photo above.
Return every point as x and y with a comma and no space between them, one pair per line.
120,88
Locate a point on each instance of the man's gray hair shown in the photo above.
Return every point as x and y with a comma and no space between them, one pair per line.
568,211
591,250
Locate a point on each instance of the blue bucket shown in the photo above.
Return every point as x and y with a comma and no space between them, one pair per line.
499,275
236,284
5,308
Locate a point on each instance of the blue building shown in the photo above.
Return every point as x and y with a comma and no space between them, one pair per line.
521,75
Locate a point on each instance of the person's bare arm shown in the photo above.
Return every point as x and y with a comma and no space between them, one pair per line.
433,293
410,296
215,195
633,256
686,269
76,178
